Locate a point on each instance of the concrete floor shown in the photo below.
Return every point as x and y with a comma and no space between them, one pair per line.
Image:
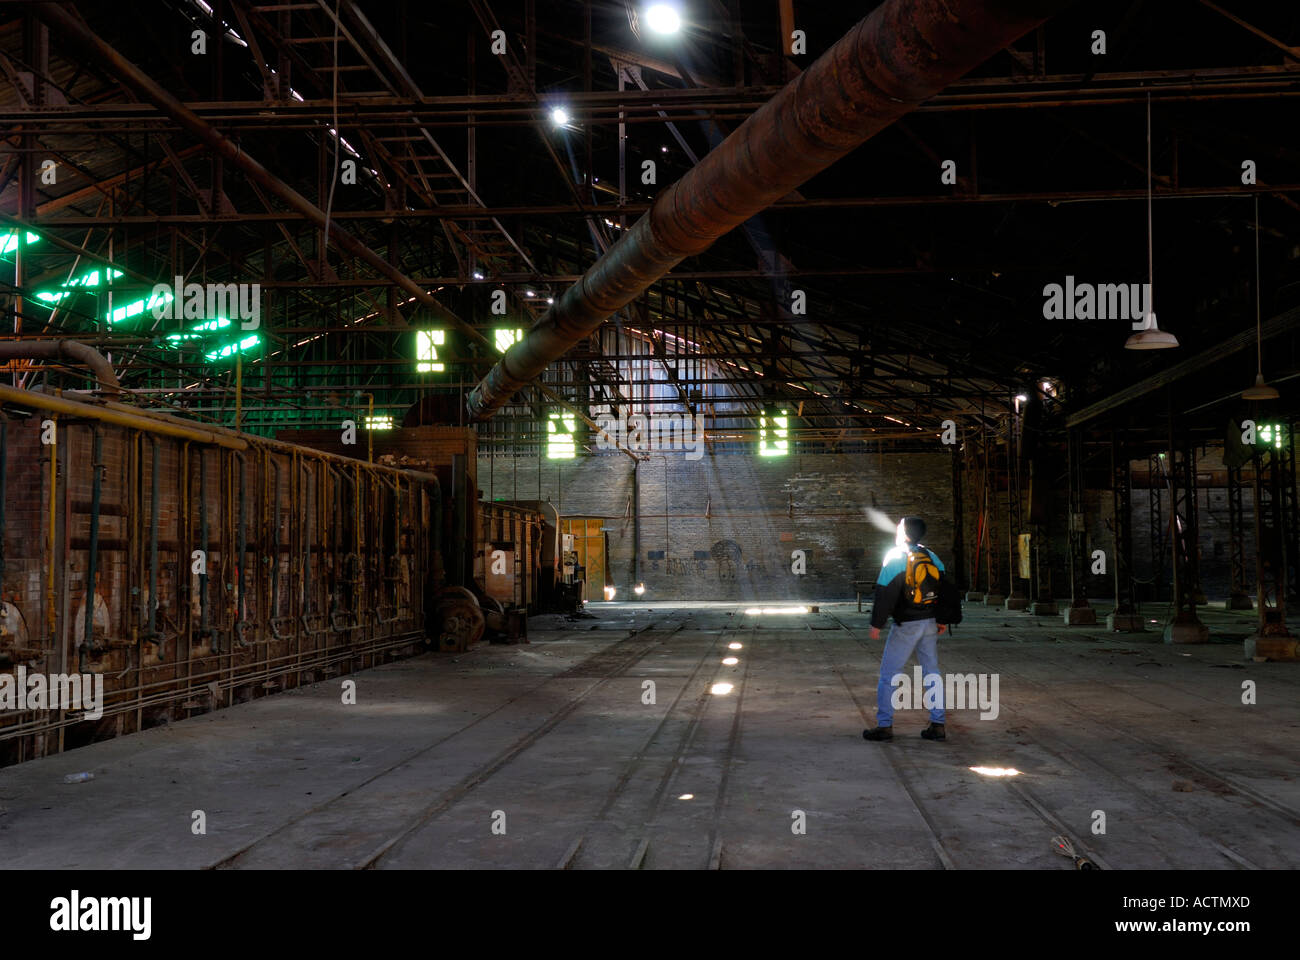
555,736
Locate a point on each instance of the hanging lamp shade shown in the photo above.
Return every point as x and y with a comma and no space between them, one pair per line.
1151,338
1260,391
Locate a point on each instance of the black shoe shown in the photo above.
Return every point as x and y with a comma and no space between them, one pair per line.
878,733
934,732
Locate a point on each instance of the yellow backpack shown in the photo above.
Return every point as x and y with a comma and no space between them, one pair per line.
921,578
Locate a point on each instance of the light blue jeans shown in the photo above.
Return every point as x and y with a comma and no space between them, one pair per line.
923,637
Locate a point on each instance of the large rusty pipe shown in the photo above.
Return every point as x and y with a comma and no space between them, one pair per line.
901,55
87,42
63,350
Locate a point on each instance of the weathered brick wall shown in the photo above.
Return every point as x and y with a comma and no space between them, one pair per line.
725,526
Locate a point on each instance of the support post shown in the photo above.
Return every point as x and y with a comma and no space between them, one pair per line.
1272,640
1125,617
1185,627
1080,611
1238,598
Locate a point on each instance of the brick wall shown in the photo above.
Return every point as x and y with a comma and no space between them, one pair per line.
725,526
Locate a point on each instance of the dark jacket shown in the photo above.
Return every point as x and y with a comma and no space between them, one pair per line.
891,597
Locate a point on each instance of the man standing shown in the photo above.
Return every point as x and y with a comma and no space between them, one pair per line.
908,589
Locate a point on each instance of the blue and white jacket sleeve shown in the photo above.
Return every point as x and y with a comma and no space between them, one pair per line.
889,586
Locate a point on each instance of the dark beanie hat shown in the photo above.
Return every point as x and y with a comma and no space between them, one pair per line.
913,529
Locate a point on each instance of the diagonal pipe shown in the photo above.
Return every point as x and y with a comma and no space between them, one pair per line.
901,55
72,350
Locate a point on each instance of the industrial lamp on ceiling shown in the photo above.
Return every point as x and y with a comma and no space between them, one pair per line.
1150,337
663,18
1260,390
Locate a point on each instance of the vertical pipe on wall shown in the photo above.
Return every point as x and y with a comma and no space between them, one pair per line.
241,550
275,538
50,624
203,542
636,523
152,631
96,492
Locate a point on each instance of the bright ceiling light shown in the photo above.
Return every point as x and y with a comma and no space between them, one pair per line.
997,771
721,689
559,116
663,18
687,796
730,661
734,646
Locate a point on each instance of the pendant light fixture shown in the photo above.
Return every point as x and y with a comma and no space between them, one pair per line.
1261,390
1151,337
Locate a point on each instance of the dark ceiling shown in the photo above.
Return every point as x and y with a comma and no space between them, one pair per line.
925,299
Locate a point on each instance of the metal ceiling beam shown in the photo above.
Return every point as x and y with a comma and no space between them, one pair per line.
88,43
891,62
1278,325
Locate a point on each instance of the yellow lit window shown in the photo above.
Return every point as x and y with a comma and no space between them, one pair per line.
505,337
427,343
561,442
773,434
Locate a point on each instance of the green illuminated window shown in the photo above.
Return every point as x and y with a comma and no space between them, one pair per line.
774,433
197,331
505,337
137,307
380,421
561,439
427,343
88,279
230,349
9,241
1272,433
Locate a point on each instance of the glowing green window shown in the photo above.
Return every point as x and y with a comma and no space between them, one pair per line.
561,439
1272,433
230,349
9,241
427,343
136,307
505,337
88,279
773,434
380,421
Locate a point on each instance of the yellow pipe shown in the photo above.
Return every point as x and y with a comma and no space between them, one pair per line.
110,411
239,387
113,414
49,586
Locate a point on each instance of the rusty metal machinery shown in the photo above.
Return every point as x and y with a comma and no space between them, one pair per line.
216,566
460,619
